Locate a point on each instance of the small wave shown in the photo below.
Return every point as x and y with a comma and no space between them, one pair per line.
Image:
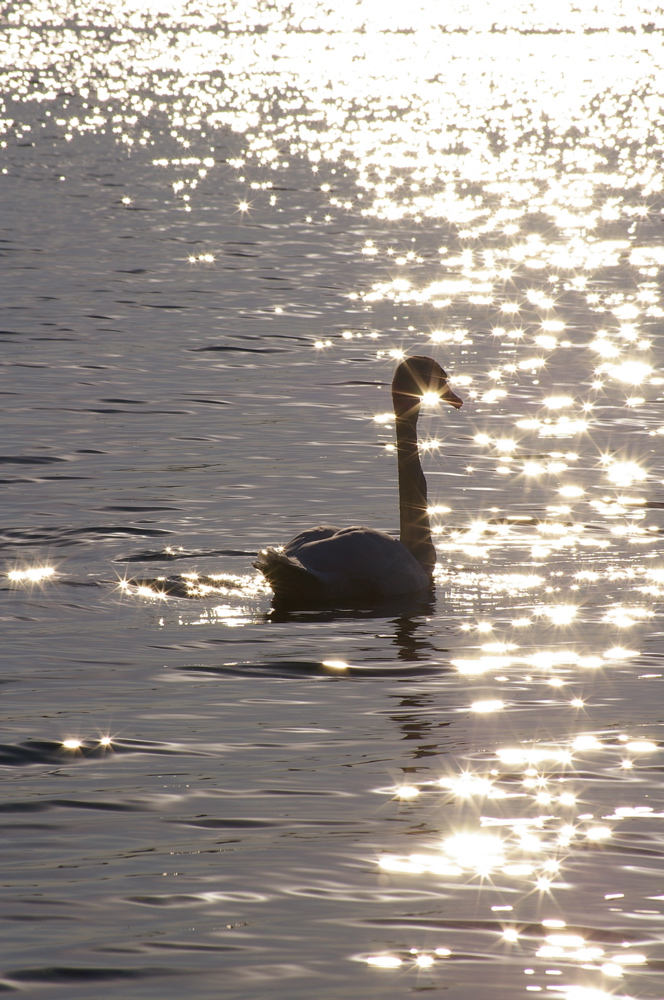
240,350
288,669
49,804
533,930
64,535
58,752
211,402
31,459
56,974
136,509
171,554
214,823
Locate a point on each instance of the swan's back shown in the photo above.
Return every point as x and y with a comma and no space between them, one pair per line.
356,563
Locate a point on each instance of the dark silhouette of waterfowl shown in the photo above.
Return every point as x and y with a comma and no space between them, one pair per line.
327,564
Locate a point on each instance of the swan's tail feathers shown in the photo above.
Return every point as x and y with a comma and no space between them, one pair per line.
289,580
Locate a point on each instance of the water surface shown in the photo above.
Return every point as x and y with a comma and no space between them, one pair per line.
222,228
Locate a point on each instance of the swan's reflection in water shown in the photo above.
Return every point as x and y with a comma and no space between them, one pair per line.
419,720
409,620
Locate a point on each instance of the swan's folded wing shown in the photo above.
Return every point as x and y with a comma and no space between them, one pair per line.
289,580
359,562
318,534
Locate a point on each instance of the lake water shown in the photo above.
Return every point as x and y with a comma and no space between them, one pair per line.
222,226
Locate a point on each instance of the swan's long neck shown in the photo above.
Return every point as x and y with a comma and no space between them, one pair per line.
415,527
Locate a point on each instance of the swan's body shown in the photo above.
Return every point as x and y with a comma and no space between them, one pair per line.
327,563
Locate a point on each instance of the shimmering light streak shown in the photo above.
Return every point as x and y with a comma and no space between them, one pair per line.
597,833
586,742
200,586
625,473
32,574
407,792
467,785
384,961
632,372
586,993
336,664
561,614
571,491
558,402
487,706
641,746
475,851
619,653
624,617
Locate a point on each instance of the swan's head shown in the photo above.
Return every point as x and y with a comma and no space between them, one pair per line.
417,377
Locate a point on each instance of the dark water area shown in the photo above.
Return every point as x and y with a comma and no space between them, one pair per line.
222,228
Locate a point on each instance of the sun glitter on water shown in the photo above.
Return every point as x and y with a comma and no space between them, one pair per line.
513,845
31,574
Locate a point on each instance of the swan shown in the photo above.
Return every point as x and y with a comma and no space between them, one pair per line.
325,563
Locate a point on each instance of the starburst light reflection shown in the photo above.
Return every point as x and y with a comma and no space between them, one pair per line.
31,574
522,822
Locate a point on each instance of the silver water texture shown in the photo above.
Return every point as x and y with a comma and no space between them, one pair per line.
221,226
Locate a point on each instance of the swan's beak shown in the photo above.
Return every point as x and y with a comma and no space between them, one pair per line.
451,397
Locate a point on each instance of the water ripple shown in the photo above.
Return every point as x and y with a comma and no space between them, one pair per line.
311,668
60,752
